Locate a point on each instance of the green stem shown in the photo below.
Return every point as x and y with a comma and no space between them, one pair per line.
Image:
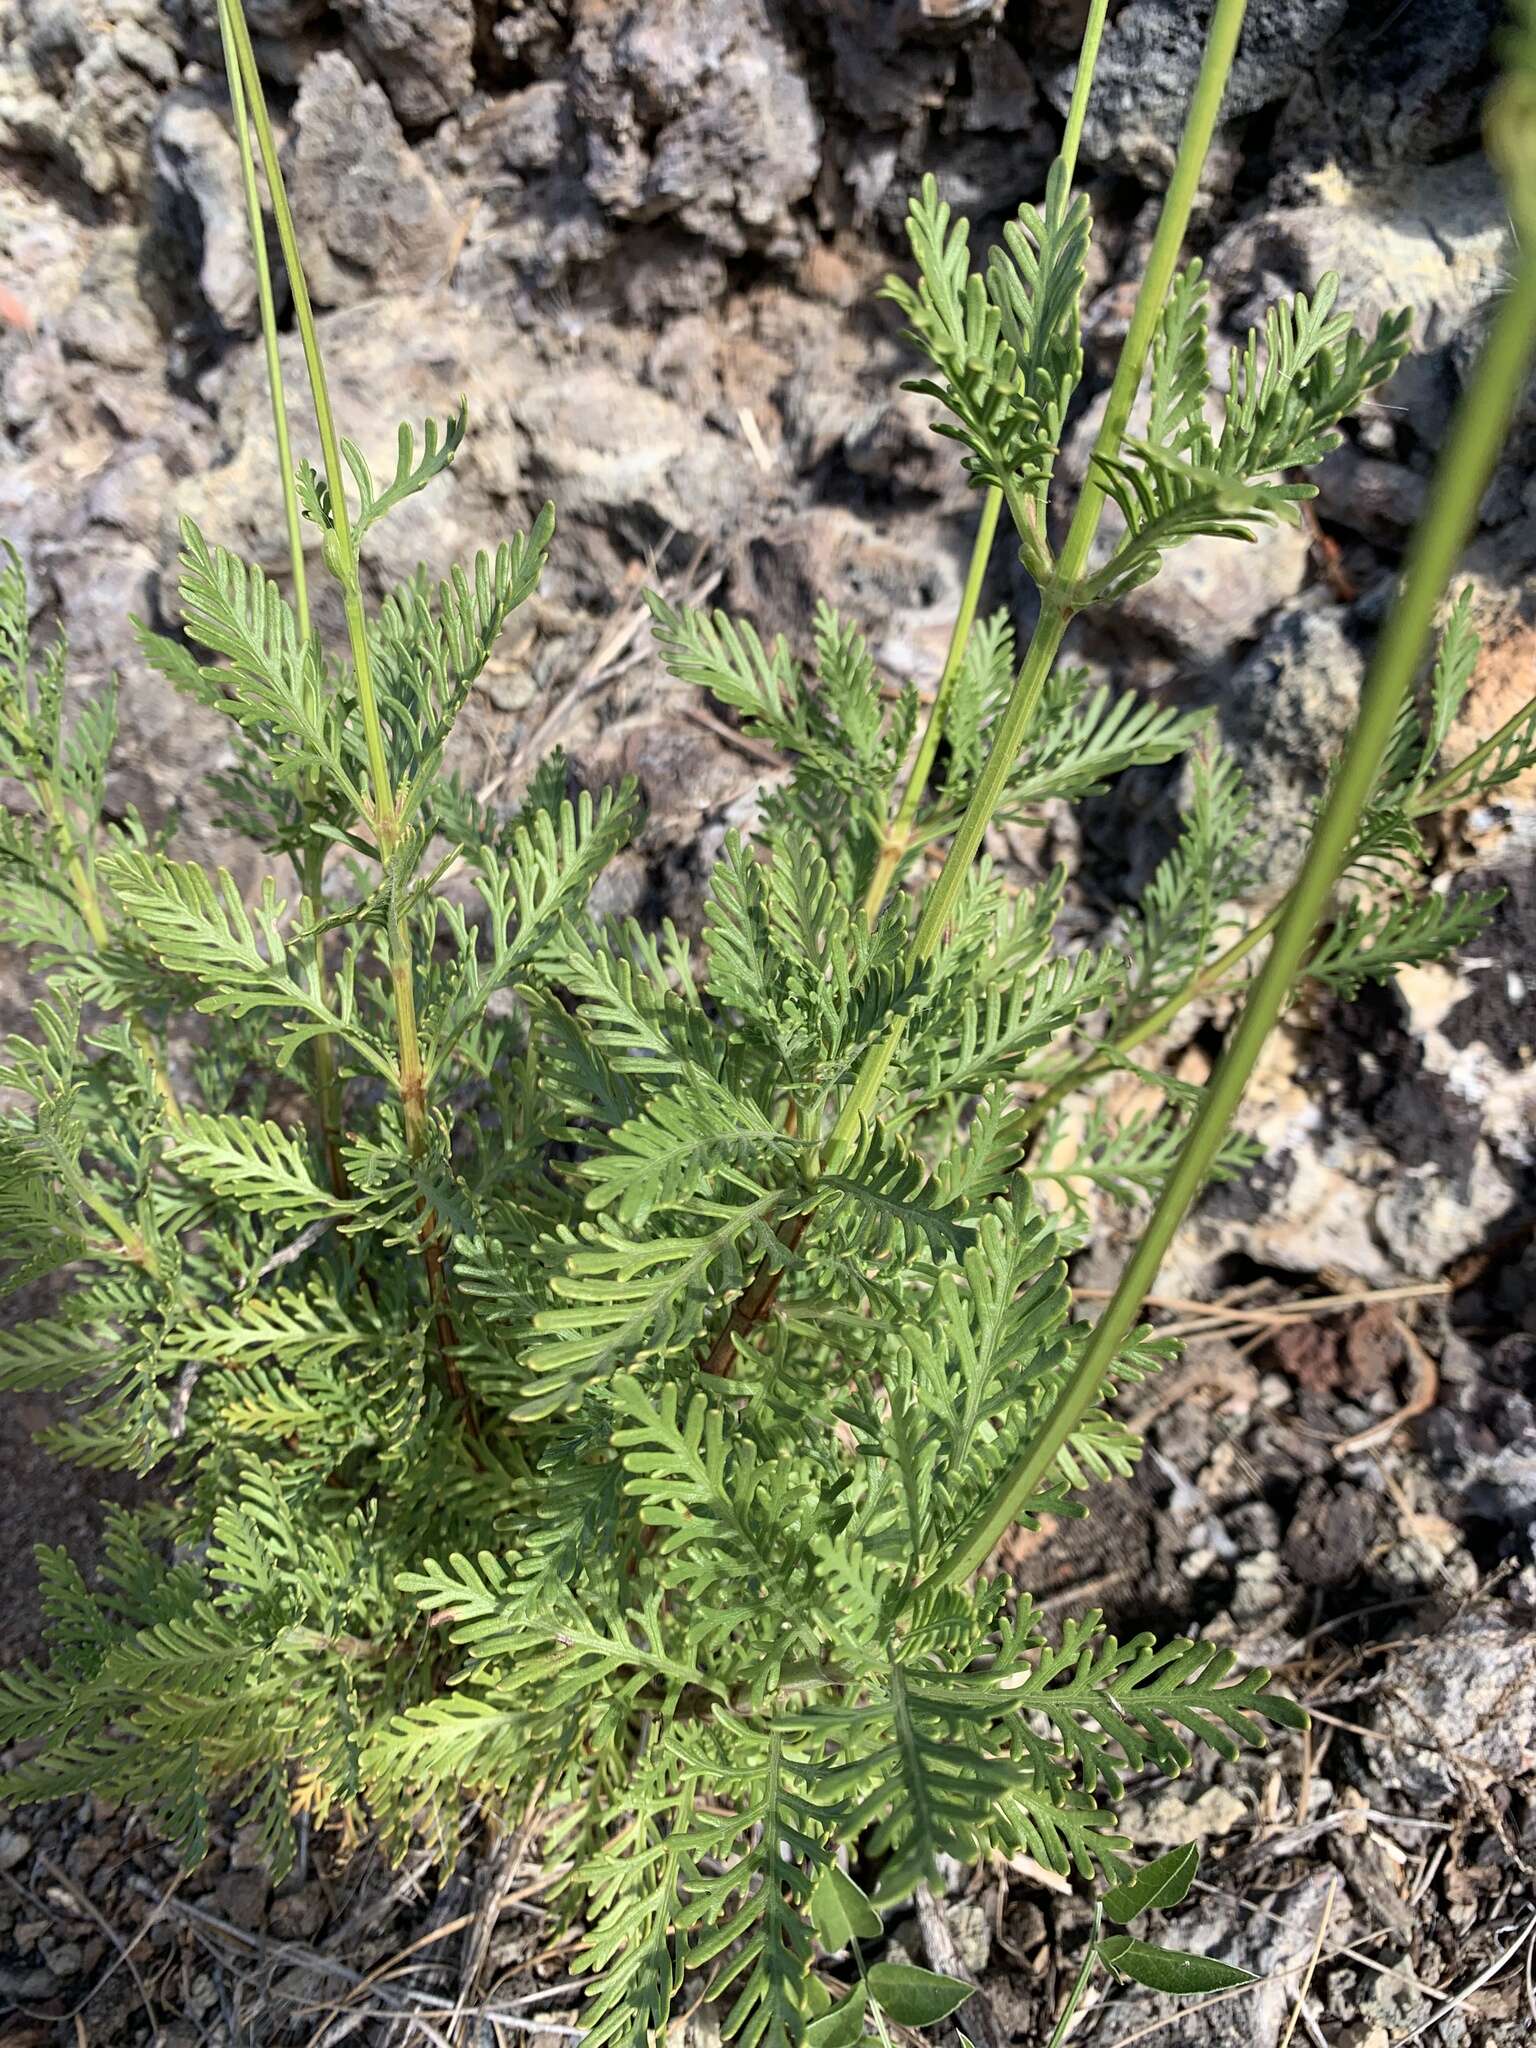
1058,599
1162,261
1432,798
1450,788
899,837
133,1243
1082,84
1084,1977
256,231
342,559
1202,984
311,864
1476,438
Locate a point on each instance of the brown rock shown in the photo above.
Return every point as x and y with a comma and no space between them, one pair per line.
1330,1533
1308,1354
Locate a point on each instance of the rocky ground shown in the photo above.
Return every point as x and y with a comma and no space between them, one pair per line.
642,237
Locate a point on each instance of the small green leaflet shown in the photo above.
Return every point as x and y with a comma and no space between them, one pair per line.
1163,1883
1169,1969
914,1997
843,2026
841,1911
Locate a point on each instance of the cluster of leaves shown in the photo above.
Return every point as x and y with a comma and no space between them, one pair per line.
565,1423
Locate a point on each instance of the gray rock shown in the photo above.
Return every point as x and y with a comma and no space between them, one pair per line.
275,18
530,32
885,574
1150,58
109,322
1213,594
1285,712
1381,500
79,86
23,1985
199,207
886,71
623,463
684,775
699,113
1399,86
370,218
1170,1818
421,52
1434,240
1427,1217
130,495
1458,1712
532,128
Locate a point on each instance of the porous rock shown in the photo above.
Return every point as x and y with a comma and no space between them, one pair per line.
1433,240
1151,55
199,207
79,85
421,52
1213,594
1458,1712
1399,86
109,321
699,113
1285,712
369,215
888,67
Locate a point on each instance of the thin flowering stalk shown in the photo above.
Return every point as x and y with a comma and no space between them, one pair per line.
1060,598
311,862
898,838
342,559
1474,444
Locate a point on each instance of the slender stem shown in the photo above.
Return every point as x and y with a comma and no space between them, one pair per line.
1449,788
1475,441
899,836
1432,798
133,1243
1084,1977
939,904
256,231
1082,84
342,558
311,864
755,1303
1162,261
1201,984
1058,598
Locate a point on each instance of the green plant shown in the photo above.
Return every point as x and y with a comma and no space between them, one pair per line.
592,1370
